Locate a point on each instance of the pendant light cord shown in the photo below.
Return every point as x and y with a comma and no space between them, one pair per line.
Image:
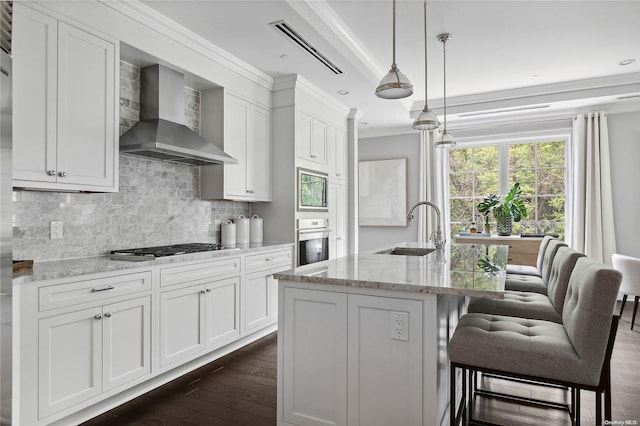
425,53
444,79
394,34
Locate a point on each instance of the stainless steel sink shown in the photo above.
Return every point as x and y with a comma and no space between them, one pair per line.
407,251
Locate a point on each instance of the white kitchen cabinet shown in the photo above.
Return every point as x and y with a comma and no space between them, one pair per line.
314,348
222,302
337,155
384,372
65,105
85,353
243,132
311,139
182,324
260,289
337,221
198,318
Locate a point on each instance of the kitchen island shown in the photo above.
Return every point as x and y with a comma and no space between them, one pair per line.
363,339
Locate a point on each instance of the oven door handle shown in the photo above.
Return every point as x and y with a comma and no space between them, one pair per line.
313,235
313,231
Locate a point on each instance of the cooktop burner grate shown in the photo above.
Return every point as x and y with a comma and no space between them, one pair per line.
162,251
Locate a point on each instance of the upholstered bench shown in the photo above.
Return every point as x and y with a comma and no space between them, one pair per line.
531,282
574,353
532,305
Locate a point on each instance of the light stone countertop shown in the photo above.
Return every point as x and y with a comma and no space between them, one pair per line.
460,269
54,269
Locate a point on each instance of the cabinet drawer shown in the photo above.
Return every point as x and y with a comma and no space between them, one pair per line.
268,260
524,246
200,271
86,291
522,259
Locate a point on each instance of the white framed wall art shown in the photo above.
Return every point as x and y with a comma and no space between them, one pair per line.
382,187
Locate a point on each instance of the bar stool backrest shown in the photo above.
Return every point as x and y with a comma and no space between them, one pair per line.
547,259
561,268
543,247
587,313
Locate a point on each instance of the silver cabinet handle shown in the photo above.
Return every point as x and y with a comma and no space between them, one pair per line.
313,156
51,172
208,290
268,259
109,287
98,316
108,314
203,291
62,174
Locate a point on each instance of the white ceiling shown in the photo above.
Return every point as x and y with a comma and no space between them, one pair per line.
499,49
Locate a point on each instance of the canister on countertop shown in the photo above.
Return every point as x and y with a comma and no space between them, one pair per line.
242,229
256,229
228,233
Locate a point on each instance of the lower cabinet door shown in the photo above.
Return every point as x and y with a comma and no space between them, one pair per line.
223,312
127,341
182,324
70,360
256,301
314,361
385,361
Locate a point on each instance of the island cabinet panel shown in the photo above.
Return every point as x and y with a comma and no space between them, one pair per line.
315,354
385,384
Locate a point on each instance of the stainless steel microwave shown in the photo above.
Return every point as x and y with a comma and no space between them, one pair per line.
312,190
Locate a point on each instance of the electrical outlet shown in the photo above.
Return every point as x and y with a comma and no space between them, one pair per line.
399,325
56,230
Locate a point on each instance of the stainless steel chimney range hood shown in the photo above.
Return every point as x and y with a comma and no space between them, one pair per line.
161,133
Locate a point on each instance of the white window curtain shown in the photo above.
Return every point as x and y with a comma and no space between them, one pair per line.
434,187
591,226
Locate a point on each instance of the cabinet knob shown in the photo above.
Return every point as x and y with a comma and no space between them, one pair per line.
51,172
98,316
203,291
208,290
338,174
62,174
107,314
313,156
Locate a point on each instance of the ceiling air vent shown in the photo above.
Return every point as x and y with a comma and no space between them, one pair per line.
291,33
6,8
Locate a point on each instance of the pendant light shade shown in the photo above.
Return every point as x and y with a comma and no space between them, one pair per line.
445,139
394,85
427,120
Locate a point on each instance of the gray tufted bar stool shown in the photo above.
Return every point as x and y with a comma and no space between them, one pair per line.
532,270
574,353
534,283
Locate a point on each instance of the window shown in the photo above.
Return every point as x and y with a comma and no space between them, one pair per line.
539,167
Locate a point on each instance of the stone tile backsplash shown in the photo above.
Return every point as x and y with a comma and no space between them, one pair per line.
158,202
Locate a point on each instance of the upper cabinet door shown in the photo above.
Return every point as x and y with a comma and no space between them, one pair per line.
236,133
337,154
65,106
86,112
319,151
259,154
311,139
35,86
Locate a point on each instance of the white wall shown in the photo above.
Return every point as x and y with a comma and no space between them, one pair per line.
385,148
624,146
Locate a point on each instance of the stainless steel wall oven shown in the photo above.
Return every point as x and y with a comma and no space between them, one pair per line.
312,241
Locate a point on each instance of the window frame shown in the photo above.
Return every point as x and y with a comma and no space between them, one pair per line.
503,142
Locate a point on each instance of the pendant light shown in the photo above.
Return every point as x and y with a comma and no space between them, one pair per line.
445,139
427,120
394,85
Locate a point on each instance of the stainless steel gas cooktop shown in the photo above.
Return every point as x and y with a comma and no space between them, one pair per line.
150,253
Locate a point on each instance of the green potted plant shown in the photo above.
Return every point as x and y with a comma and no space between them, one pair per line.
506,209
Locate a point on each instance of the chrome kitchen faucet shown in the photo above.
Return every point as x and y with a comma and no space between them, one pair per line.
437,238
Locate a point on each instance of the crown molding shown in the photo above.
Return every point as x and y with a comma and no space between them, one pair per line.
296,81
532,95
320,16
145,15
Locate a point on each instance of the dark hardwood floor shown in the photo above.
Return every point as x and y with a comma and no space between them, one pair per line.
240,389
